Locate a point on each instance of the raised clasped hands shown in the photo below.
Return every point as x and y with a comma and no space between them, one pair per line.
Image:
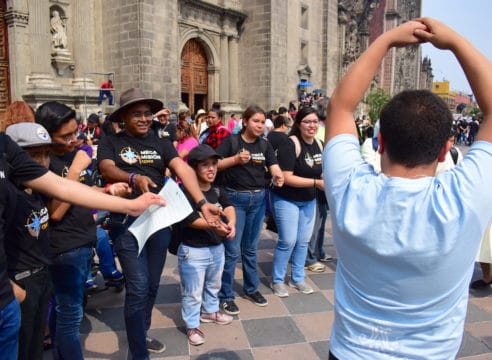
437,33
406,34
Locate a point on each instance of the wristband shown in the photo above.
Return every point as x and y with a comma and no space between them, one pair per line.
199,204
131,180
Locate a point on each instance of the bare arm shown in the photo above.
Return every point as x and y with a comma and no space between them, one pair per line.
82,195
477,68
354,84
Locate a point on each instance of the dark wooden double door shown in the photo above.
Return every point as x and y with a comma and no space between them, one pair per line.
194,76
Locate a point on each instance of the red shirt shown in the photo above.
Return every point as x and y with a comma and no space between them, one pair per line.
216,134
106,85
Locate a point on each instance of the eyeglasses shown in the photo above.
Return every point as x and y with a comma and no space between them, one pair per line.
139,115
310,122
68,138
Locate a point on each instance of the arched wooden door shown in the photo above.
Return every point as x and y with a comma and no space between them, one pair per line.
194,76
4,64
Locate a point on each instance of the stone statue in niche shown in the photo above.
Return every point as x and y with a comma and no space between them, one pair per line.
58,31
61,56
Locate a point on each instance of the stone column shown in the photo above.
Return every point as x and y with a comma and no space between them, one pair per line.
39,26
83,38
17,19
224,69
233,69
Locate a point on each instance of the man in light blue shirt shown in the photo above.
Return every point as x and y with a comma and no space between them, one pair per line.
406,239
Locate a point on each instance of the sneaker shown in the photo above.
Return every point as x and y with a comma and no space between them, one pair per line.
154,346
316,267
257,298
216,317
280,290
229,307
195,336
326,258
115,276
90,285
302,286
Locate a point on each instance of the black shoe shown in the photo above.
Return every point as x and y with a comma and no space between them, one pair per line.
257,298
229,307
154,346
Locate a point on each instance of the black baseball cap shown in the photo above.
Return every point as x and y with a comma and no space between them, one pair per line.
200,153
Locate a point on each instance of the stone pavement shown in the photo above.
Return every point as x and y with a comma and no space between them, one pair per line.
296,327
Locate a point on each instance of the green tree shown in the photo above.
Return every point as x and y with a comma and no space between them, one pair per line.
376,99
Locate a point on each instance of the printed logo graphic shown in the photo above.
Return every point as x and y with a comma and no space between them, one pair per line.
37,221
128,155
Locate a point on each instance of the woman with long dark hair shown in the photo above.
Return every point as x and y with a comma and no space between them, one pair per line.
294,204
246,156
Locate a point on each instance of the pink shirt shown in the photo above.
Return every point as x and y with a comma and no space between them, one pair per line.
186,144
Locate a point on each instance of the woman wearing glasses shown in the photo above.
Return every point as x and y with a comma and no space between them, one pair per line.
140,158
294,204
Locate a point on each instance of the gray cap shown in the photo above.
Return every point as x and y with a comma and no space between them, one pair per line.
28,134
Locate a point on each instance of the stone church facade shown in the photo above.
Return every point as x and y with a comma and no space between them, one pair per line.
190,52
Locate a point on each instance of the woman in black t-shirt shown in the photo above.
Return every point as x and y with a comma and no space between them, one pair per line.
294,204
246,156
140,158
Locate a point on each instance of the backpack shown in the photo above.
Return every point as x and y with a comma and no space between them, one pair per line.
297,144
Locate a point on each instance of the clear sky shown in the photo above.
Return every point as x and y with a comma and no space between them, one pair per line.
470,18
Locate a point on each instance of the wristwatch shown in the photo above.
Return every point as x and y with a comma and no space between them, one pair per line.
199,204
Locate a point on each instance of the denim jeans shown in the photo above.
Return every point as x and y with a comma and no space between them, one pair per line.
106,93
105,253
250,211
142,277
318,237
200,270
68,272
10,320
295,222
33,314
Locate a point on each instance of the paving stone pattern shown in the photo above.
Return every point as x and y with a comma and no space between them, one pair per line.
296,327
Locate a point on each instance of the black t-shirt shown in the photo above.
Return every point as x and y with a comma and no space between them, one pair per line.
250,176
26,243
201,238
16,166
167,131
307,164
147,155
277,138
77,227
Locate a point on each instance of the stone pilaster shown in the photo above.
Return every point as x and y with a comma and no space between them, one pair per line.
233,70
224,68
17,19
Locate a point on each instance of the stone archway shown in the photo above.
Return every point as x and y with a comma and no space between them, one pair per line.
194,75
4,64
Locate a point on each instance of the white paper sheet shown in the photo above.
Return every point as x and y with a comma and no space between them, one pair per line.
158,217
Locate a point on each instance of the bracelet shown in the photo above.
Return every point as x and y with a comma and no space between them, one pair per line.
131,179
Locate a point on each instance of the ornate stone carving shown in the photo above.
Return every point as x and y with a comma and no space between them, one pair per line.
17,18
61,57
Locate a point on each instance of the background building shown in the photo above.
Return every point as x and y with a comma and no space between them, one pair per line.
193,52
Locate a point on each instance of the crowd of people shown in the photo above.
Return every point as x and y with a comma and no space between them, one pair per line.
289,165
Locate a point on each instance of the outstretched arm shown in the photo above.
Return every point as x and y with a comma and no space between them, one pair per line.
354,84
477,68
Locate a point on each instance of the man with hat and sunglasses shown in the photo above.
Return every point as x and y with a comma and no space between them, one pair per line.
137,156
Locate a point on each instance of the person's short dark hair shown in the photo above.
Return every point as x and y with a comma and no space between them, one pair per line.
282,110
93,118
52,115
369,132
280,121
415,125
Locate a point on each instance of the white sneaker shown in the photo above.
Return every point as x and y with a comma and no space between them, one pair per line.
302,286
280,290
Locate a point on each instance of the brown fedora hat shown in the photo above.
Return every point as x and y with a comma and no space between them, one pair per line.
130,97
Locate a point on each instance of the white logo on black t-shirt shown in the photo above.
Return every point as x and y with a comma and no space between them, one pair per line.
37,221
128,155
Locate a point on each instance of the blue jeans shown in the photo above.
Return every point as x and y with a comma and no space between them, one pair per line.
250,211
200,270
10,320
106,93
105,254
295,222
318,237
68,272
142,277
